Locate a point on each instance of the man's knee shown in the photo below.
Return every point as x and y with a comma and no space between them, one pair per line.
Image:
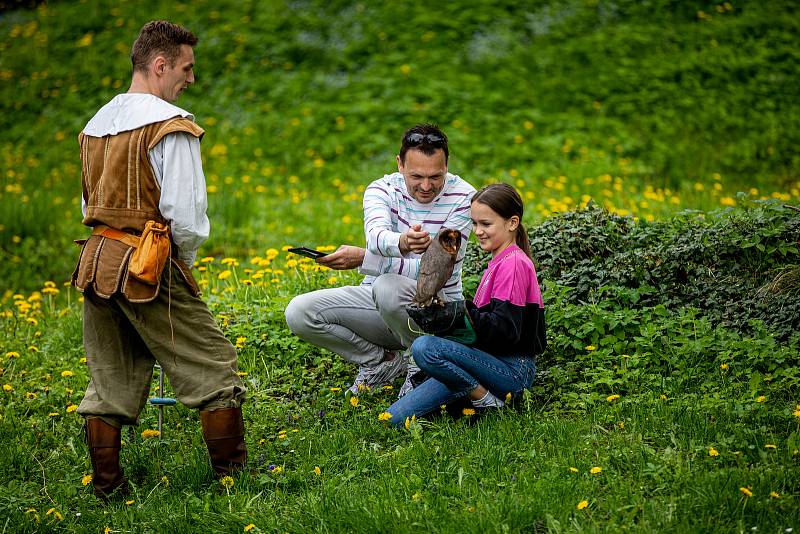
387,293
297,314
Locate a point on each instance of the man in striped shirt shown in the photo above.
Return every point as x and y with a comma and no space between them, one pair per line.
367,324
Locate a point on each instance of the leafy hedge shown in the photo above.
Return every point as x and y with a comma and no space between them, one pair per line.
734,265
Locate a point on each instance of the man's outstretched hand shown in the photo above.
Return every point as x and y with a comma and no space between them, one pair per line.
346,257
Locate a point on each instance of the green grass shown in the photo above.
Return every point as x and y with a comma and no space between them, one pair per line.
509,471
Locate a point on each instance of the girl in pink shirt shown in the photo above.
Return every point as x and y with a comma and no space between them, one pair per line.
504,322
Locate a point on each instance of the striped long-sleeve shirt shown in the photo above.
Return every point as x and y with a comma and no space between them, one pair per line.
389,210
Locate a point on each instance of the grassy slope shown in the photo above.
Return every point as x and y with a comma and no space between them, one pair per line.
304,102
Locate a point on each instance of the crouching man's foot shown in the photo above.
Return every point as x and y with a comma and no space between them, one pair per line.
104,441
382,374
414,377
223,432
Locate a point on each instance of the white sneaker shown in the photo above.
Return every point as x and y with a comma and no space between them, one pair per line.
378,375
412,378
359,382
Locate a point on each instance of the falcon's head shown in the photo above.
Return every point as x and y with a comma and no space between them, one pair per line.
450,240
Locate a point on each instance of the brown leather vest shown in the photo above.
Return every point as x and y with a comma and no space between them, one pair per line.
121,191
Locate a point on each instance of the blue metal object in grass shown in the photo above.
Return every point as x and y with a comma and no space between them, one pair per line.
161,401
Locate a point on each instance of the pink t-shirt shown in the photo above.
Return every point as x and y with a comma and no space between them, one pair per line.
510,276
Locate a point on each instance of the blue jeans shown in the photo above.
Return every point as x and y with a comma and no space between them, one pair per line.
455,370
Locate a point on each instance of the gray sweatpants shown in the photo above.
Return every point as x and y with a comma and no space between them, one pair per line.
356,322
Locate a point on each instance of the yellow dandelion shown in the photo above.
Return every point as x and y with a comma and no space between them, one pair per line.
468,411
612,398
150,433
71,408
317,470
207,259
353,401
713,452
596,469
228,261
795,413
12,355
573,469
33,348
761,398
508,397
663,397
746,492
67,374
385,416
590,348
53,414
130,502
227,482
583,504
249,527
388,388
224,274
7,388
724,366
771,446
277,470
774,495
165,480
86,479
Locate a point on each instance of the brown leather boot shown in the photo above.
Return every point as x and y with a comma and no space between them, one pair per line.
223,431
104,443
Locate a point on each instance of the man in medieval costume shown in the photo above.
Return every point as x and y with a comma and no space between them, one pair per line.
144,196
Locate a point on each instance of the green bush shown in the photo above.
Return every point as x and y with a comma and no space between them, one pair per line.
727,264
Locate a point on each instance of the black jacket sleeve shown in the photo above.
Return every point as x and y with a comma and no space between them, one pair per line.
497,325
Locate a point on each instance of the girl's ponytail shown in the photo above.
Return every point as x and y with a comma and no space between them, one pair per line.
522,240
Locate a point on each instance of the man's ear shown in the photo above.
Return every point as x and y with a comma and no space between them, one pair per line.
399,164
159,65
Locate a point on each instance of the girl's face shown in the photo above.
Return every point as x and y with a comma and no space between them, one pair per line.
494,233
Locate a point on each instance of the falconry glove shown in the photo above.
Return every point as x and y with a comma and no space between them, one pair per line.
450,321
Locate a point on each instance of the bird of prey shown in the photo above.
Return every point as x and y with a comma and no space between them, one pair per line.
436,267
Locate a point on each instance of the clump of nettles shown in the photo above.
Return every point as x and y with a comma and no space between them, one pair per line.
734,265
